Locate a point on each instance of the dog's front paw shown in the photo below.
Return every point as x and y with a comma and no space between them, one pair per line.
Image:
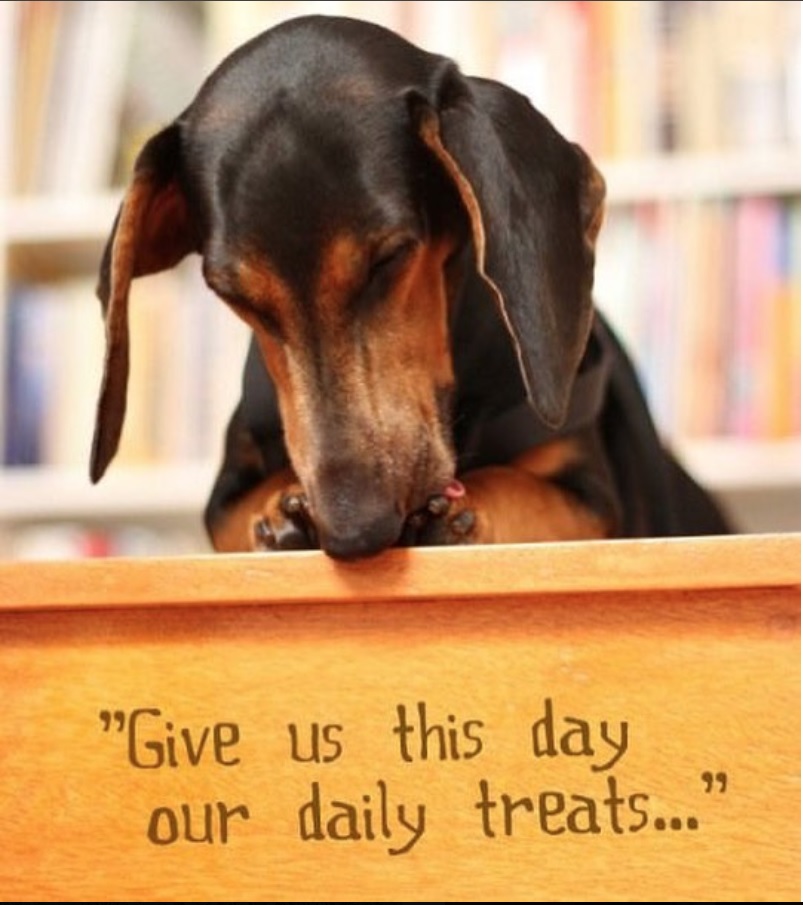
285,523
448,518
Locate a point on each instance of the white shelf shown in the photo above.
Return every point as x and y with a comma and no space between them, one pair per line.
64,494
180,491
31,220
730,463
716,175
28,221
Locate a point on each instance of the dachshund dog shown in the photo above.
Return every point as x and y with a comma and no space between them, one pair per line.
413,250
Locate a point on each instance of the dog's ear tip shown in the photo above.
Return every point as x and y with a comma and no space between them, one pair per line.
552,408
101,454
97,467
95,472
552,413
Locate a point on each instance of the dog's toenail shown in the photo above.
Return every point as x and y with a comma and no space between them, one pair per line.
437,505
463,522
293,504
264,537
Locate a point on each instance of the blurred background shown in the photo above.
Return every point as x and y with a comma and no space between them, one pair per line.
690,109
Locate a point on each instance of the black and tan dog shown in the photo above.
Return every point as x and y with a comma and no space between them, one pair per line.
414,252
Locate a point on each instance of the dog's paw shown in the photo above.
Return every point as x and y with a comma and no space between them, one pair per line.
448,518
285,523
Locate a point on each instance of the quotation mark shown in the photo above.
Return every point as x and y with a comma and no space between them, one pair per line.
713,782
110,717
710,779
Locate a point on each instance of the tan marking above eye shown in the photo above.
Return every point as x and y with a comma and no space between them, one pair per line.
343,263
249,285
261,284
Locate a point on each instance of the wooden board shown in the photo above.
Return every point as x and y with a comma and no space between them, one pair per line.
606,721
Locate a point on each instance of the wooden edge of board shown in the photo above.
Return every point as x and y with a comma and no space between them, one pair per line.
455,573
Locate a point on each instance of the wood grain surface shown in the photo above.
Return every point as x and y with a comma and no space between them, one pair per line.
573,722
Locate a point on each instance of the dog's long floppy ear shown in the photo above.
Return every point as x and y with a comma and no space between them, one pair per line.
152,232
535,202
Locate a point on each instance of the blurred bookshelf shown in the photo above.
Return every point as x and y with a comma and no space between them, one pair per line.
698,263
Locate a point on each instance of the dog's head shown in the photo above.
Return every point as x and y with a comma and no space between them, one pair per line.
331,175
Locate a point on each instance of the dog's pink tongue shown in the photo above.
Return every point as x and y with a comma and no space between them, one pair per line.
454,490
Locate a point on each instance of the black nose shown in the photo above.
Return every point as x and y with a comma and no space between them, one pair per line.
356,541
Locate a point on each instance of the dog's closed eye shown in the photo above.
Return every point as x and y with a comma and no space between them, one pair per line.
387,265
390,256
